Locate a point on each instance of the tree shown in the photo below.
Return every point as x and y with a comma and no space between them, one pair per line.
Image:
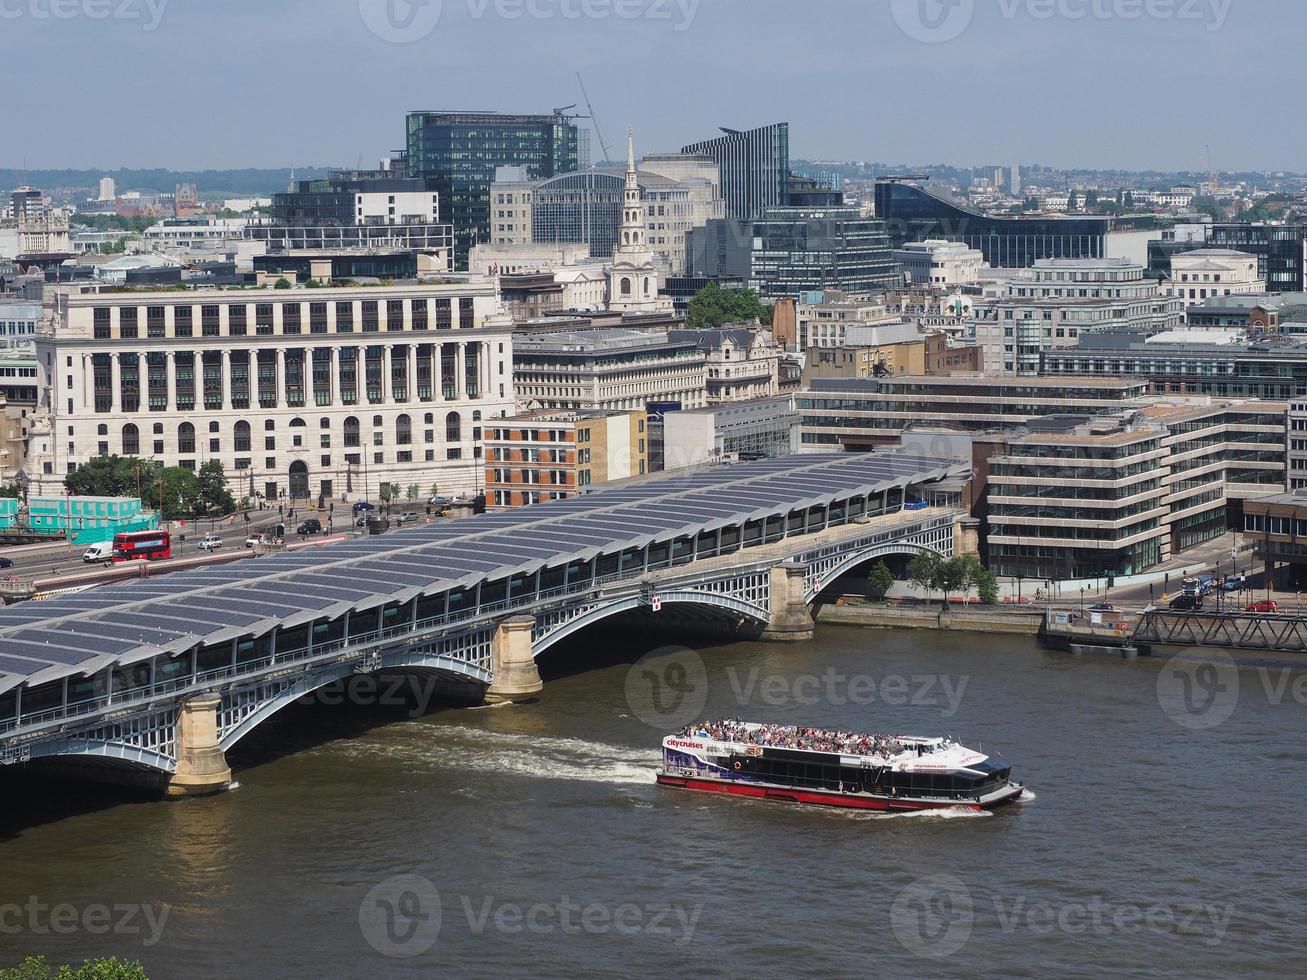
923,572
1091,199
1129,201
713,306
1072,201
38,968
987,587
413,492
12,491
1205,204
211,489
435,490
113,476
880,579
281,284
384,493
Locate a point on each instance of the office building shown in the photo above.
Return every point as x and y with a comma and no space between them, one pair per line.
743,362
863,415
18,322
608,369
942,264
915,214
733,431
553,455
316,393
1279,248
754,167
1208,273
358,210
462,150
789,251
919,354
108,189
1059,301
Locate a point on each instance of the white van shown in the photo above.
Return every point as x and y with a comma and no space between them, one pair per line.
211,542
98,553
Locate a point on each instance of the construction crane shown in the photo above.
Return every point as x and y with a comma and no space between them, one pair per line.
593,118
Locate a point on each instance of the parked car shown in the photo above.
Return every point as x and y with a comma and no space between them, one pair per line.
6,563
408,517
1263,606
211,542
1187,602
311,526
440,501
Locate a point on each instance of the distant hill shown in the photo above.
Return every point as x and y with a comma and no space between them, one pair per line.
209,183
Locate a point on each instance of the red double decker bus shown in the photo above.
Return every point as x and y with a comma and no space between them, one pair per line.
142,545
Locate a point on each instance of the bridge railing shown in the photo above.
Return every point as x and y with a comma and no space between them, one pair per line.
127,700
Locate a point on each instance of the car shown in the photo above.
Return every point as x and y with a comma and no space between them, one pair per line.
211,542
1233,584
311,526
440,501
1103,607
363,505
253,541
408,517
1263,606
6,563
1187,602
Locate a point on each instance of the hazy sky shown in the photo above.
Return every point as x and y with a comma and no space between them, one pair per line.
230,83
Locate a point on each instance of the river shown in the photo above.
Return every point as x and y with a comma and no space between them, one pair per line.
531,839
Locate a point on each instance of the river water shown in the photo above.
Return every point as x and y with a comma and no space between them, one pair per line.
1162,836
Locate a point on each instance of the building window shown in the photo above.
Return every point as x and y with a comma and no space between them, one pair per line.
186,438
131,440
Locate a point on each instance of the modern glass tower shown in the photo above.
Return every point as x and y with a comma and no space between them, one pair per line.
462,149
755,168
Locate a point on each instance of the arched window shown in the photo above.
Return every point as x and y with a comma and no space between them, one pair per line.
131,440
404,431
626,286
646,287
298,424
453,427
242,437
186,438
351,432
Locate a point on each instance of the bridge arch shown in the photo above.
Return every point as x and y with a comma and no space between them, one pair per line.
747,595
822,579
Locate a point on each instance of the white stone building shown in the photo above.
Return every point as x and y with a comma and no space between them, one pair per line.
744,363
940,263
1210,272
312,392
1057,300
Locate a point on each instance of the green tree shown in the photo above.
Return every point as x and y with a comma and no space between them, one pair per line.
413,492
211,489
113,476
987,587
281,284
1210,206
1129,201
38,968
12,491
924,572
435,490
713,306
384,493
880,579
1072,201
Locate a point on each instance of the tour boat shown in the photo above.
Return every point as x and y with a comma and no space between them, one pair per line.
829,768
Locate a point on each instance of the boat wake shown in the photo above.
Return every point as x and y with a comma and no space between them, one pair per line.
546,757
944,813
1027,796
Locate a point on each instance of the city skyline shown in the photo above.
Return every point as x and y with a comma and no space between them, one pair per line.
856,81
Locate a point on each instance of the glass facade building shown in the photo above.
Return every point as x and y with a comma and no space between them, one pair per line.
755,168
460,151
913,214
1279,250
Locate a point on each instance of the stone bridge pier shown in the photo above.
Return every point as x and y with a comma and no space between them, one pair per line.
516,676
791,620
201,765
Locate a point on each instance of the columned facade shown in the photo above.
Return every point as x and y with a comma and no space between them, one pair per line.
317,392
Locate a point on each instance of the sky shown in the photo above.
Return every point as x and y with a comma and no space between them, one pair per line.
199,84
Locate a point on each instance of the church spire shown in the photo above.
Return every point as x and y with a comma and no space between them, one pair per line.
632,233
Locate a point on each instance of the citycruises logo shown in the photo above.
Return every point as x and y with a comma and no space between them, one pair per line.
408,21
940,21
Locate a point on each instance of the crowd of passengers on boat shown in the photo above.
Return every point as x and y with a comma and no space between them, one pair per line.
791,737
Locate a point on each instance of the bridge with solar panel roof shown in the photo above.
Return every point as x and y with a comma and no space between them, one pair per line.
161,677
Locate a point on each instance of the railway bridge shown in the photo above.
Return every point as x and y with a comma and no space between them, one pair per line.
164,676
